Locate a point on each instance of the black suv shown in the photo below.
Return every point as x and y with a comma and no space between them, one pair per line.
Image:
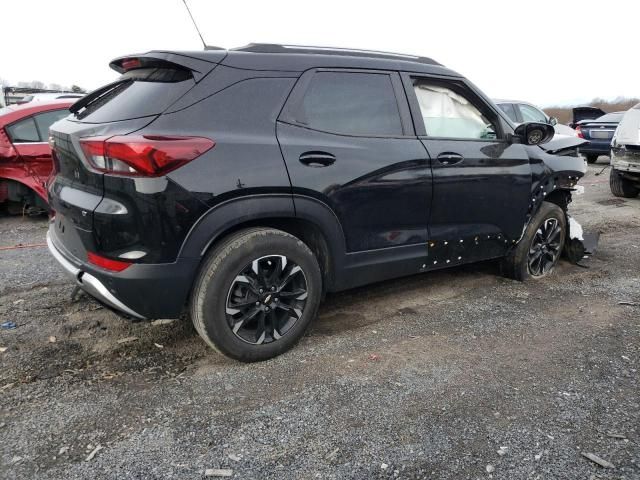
244,184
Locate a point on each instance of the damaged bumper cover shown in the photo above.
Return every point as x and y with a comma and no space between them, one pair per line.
579,244
626,159
89,283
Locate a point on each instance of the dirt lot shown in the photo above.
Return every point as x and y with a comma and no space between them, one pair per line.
424,377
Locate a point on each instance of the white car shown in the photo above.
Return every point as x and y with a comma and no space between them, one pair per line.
624,178
520,112
46,97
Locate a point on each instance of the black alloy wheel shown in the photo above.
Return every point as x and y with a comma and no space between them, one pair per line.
545,248
266,299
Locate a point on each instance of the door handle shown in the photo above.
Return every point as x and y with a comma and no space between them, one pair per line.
317,159
449,158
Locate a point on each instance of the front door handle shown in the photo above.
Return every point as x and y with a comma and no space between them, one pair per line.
317,159
450,158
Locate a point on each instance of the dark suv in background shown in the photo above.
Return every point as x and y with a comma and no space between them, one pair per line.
244,184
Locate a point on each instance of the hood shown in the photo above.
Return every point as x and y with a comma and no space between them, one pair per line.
561,144
628,132
586,113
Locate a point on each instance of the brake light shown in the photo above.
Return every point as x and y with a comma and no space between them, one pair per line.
130,63
107,263
579,132
143,155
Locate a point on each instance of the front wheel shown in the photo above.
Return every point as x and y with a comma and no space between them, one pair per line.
592,159
622,187
256,294
539,249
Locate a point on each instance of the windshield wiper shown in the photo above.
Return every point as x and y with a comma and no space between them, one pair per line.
84,102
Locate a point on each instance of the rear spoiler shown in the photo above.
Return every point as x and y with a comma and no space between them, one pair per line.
199,67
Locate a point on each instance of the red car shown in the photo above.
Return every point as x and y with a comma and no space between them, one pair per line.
25,155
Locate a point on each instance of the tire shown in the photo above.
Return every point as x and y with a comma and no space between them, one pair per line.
622,187
592,159
517,264
240,272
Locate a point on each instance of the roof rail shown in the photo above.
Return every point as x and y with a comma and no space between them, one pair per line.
352,52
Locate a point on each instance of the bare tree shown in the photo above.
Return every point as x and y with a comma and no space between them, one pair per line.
54,86
77,89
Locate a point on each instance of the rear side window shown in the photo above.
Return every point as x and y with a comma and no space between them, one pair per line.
46,119
138,93
24,131
351,103
509,110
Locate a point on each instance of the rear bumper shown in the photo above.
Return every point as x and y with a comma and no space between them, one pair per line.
89,283
593,148
143,291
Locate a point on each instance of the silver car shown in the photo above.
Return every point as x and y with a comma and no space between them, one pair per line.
624,178
520,112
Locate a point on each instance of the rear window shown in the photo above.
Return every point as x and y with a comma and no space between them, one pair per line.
351,104
610,117
138,93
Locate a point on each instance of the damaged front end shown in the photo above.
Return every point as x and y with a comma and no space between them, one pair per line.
557,166
625,147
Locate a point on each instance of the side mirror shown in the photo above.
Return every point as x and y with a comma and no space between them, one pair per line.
534,133
553,121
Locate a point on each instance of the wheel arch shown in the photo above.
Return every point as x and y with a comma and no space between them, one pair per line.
308,219
18,175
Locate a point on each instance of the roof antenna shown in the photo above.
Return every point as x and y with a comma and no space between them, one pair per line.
195,24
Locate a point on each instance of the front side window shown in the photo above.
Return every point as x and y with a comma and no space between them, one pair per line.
448,114
24,131
532,114
351,104
46,119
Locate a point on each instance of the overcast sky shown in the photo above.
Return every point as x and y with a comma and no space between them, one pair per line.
546,52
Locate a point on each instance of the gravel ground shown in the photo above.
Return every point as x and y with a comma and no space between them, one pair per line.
454,374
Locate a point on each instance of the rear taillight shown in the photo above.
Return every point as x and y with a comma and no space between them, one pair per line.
107,263
579,132
143,155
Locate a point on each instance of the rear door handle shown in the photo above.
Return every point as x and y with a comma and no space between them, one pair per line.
450,158
317,159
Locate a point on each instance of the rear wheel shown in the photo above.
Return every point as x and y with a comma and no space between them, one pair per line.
538,251
622,187
592,159
256,294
